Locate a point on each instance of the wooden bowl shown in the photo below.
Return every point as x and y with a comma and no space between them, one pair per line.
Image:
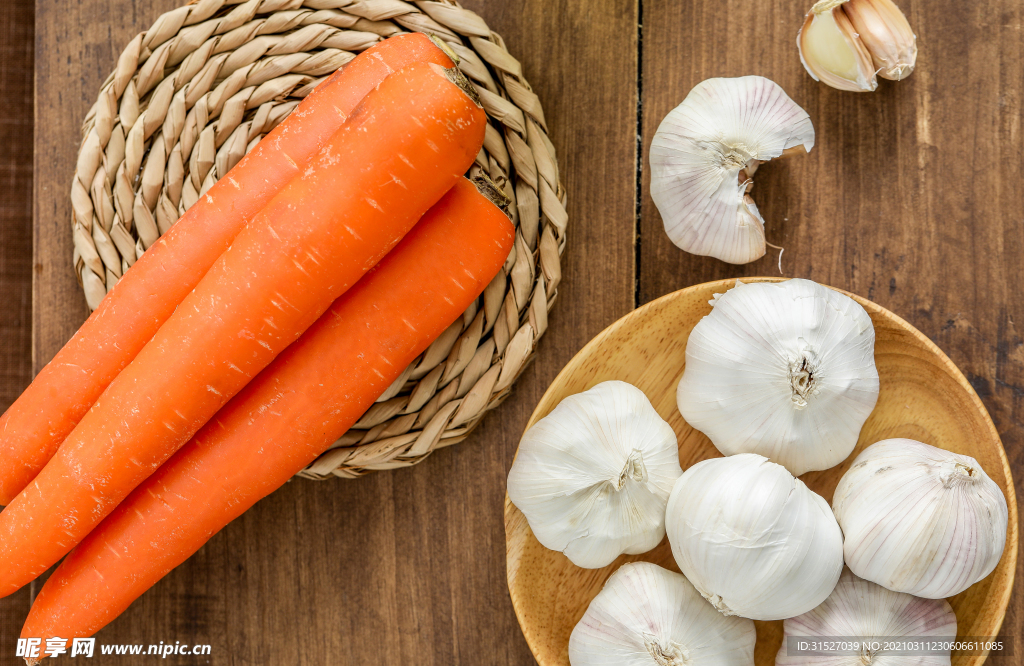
923,396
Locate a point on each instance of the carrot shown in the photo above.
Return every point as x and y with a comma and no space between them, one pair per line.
284,418
35,425
406,144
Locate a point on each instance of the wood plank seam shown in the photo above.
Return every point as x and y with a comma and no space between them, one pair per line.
639,169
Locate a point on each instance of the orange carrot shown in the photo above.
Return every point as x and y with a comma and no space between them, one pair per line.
284,418
406,144
35,425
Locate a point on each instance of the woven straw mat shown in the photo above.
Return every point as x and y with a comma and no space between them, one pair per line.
191,95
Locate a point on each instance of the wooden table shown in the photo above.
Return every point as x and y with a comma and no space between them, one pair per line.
911,197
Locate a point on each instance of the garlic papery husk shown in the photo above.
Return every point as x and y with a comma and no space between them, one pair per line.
649,616
753,539
702,158
594,475
845,43
785,370
859,611
919,519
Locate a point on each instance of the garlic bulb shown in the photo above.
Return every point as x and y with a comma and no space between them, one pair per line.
785,370
919,519
649,616
753,540
704,154
594,475
860,609
845,43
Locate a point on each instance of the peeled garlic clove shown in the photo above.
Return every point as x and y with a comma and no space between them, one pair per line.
785,370
649,616
919,519
702,157
886,34
594,475
755,541
831,50
861,609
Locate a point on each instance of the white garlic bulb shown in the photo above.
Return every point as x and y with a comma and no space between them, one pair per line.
919,519
785,370
860,609
649,616
704,154
753,539
594,475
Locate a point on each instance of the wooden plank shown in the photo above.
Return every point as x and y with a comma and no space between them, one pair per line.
15,236
910,197
15,198
395,568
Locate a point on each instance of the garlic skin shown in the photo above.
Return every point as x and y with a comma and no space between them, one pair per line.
862,609
755,541
594,475
886,35
919,519
649,616
702,158
785,370
832,53
846,43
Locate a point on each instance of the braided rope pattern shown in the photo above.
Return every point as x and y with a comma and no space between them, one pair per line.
191,95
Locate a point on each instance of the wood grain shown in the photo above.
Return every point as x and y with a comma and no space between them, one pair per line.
15,229
922,396
910,197
15,197
396,568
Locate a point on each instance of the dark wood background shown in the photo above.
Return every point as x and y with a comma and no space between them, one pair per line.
912,197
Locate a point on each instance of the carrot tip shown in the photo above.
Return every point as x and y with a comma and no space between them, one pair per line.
492,192
441,44
455,75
